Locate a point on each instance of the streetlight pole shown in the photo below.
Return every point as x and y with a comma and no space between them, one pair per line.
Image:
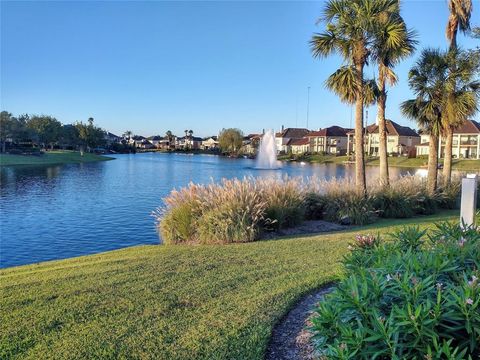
308,103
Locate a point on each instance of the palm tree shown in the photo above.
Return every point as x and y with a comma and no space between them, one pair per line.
169,136
127,134
393,42
190,136
427,80
459,19
349,32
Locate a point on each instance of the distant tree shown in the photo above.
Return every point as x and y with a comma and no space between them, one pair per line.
127,134
45,129
230,140
90,135
69,136
169,137
6,127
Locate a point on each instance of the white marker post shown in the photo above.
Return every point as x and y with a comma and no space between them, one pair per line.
468,205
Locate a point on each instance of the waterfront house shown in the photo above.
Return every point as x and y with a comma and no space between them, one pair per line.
299,146
332,140
465,143
111,138
250,143
284,137
210,143
155,140
188,142
401,140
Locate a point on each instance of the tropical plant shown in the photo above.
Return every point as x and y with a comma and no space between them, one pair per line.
402,299
169,136
459,19
349,32
393,42
427,81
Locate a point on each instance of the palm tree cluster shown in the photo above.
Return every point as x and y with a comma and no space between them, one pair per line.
367,32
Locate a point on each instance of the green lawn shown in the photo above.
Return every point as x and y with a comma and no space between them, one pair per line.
392,161
51,158
168,302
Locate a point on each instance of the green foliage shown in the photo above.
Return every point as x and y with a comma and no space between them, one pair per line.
240,210
46,129
314,205
230,140
404,300
90,135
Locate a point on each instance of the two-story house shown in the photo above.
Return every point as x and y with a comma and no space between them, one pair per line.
465,142
401,140
283,138
332,140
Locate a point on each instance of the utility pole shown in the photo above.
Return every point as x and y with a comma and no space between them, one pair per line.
308,103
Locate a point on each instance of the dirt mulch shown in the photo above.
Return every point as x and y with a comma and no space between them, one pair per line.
290,340
307,227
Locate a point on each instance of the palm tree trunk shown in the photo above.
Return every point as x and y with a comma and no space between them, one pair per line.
359,145
432,164
447,158
382,147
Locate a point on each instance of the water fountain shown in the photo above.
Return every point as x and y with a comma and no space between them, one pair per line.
267,153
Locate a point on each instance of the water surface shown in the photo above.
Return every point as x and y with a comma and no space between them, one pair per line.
55,212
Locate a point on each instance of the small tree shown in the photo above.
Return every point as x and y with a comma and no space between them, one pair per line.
230,140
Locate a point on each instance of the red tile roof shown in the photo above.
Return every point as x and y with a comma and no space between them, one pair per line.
392,128
330,131
468,127
298,142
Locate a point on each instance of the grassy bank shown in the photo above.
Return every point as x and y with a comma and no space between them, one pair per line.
51,158
458,164
168,302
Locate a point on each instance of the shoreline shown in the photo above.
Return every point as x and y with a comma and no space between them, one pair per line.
55,157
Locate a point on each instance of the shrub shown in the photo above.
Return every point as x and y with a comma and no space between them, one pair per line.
176,222
449,194
405,299
284,201
314,205
233,212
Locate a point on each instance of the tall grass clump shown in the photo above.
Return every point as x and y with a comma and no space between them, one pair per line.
232,211
416,297
177,220
342,204
285,201
241,210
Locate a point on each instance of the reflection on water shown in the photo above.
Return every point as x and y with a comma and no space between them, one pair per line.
63,211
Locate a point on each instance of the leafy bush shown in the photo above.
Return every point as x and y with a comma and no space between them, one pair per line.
314,205
416,297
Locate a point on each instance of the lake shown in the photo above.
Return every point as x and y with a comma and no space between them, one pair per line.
56,212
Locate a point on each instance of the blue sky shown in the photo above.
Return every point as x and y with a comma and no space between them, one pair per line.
149,67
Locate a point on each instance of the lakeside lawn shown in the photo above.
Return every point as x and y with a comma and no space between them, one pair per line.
55,157
169,302
457,164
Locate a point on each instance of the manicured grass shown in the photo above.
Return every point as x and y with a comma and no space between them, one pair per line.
51,158
168,302
458,164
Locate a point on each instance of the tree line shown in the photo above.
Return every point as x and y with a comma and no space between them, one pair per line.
445,82
45,131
